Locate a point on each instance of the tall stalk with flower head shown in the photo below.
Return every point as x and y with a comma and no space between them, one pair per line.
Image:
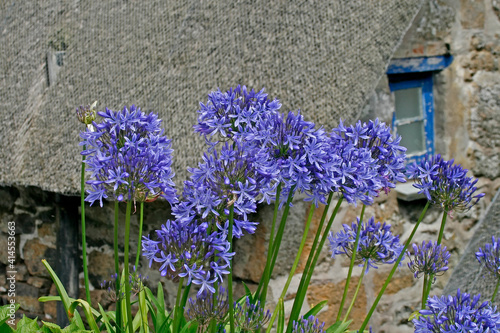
489,258
377,245
129,160
85,115
445,185
428,260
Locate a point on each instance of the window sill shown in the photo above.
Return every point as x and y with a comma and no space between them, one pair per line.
407,192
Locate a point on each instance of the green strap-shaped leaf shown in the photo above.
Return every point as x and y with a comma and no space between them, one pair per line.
316,309
64,296
281,316
339,327
105,320
88,313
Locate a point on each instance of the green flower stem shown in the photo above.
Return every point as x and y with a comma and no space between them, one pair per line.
396,265
276,246
495,292
365,266
299,253
84,239
309,258
117,271
351,265
177,311
441,230
126,268
306,278
139,243
317,236
273,318
439,240
212,325
424,291
230,275
270,245
428,289
273,226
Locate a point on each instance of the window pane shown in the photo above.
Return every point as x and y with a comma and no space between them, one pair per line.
412,137
408,103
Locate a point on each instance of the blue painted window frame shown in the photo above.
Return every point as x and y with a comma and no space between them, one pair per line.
415,72
425,82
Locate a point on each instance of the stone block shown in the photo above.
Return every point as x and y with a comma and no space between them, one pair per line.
101,266
7,199
47,231
402,279
34,251
251,250
5,245
47,215
38,282
332,292
27,297
472,14
25,224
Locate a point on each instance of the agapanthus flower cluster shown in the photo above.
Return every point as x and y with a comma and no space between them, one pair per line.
490,257
222,179
309,325
428,259
128,157
444,183
203,308
370,159
377,245
291,151
136,281
460,313
250,317
230,115
110,287
285,148
190,251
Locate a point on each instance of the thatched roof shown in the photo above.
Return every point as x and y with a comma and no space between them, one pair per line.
323,57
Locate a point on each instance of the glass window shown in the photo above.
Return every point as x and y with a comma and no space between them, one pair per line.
413,116
408,103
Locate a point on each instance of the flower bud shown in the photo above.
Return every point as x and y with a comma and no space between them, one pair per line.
87,114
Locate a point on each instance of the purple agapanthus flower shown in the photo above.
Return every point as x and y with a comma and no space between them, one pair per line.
129,157
308,325
250,317
203,308
224,178
232,114
460,313
377,245
292,152
490,257
370,160
428,259
190,251
444,183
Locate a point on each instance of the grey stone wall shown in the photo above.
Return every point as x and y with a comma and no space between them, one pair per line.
466,98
